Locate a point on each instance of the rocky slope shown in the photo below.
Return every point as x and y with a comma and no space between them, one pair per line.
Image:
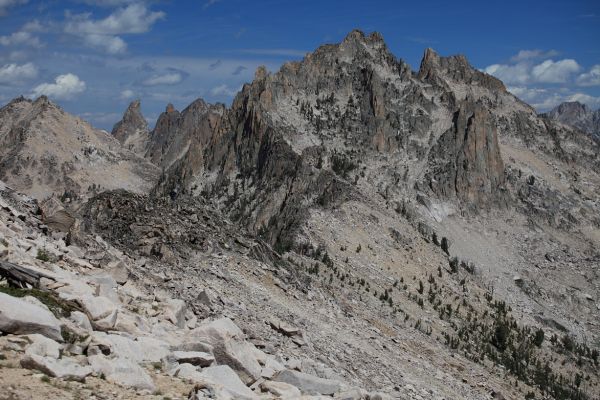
409,234
46,151
578,116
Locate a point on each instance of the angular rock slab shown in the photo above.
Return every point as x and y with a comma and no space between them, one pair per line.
225,383
308,384
63,368
43,346
20,317
123,372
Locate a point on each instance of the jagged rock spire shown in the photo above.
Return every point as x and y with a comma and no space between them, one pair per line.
132,130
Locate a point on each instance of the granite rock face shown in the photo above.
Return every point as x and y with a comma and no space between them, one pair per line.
132,130
577,115
45,150
465,162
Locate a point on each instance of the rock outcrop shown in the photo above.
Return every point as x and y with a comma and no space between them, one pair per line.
465,162
46,151
577,115
132,130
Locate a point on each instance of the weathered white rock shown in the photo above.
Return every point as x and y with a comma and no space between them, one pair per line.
229,348
308,384
225,382
217,330
283,327
122,371
187,371
351,394
198,358
240,356
63,368
43,346
271,367
175,312
97,307
151,349
81,320
132,324
280,389
119,271
141,350
107,323
19,317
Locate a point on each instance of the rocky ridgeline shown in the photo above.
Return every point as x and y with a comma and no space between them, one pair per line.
578,116
45,151
87,318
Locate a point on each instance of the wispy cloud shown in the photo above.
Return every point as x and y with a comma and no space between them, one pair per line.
6,4
223,90
215,65
420,40
170,77
239,70
210,3
24,36
591,78
15,74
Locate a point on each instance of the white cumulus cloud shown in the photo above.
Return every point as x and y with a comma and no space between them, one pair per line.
64,87
14,73
591,78
509,74
525,67
555,72
103,33
170,78
109,44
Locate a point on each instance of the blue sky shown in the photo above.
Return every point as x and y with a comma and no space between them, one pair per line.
94,57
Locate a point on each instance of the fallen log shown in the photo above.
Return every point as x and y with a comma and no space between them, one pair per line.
20,276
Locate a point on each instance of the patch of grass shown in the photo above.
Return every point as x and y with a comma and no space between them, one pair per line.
71,337
57,306
43,255
156,365
46,379
4,242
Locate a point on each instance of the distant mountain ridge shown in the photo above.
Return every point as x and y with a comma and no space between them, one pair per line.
46,151
577,115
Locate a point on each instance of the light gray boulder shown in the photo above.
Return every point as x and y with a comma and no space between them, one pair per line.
281,389
81,320
175,312
43,346
122,371
225,383
20,317
63,368
308,384
230,348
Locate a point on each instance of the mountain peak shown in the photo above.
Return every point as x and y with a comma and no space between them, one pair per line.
577,115
132,130
447,71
